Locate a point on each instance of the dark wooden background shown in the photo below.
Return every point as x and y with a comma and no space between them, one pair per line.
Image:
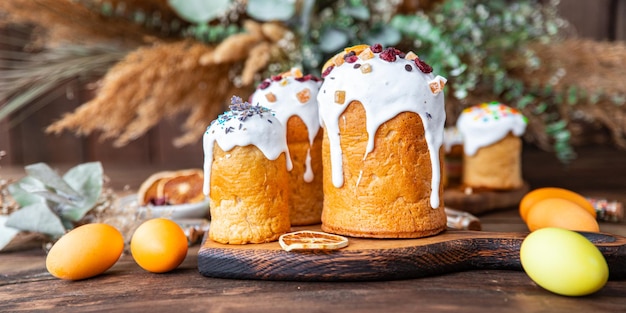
25,142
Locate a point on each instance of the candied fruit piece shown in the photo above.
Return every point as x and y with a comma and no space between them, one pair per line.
296,72
284,82
366,68
304,95
270,97
366,54
411,56
436,85
277,78
340,96
356,49
339,59
376,48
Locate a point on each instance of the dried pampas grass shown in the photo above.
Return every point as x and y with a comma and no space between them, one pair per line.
150,84
166,79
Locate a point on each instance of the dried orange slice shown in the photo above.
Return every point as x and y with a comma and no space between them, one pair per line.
172,187
183,187
311,240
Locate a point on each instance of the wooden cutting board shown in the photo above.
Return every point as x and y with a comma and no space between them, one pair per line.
386,259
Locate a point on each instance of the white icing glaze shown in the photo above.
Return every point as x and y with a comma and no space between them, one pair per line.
287,104
386,91
260,129
451,137
487,123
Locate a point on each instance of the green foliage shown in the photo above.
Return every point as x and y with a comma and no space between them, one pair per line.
51,204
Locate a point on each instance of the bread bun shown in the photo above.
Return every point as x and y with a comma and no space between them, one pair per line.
246,179
492,147
383,116
293,99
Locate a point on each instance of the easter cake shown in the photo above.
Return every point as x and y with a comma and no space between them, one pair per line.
293,98
246,175
492,146
383,116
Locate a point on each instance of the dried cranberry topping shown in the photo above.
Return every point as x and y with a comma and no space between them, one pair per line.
351,59
376,48
357,65
304,78
264,84
349,54
277,78
327,71
425,68
389,54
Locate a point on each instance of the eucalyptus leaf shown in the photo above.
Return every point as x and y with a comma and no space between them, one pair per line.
200,11
24,191
6,233
271,10
49,177
359,12
333,40
385,35
37,218
87,179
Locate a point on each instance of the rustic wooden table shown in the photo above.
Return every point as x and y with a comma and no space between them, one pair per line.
25,285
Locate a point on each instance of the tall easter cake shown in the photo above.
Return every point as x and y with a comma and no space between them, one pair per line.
246,175
492,147
293,98
383,115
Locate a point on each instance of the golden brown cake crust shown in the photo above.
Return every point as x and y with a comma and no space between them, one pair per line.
387,195
248,196
497,166
305,197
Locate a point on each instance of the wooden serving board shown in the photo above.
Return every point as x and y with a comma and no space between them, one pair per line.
483,201
386,259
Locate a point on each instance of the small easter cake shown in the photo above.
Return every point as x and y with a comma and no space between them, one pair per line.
492,146
383,116
453,160
293,98
246,164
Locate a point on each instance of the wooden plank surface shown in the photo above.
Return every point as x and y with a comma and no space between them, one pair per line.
386,259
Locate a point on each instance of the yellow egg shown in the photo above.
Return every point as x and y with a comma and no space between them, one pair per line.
85,251
159,245
564,262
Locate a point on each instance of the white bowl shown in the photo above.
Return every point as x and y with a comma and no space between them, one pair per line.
188,210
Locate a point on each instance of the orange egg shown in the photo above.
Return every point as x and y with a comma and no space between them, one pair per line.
159,245
531,198
85,251
561,213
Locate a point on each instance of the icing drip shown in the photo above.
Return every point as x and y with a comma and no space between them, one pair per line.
292,94
391,84
244,125
486,123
